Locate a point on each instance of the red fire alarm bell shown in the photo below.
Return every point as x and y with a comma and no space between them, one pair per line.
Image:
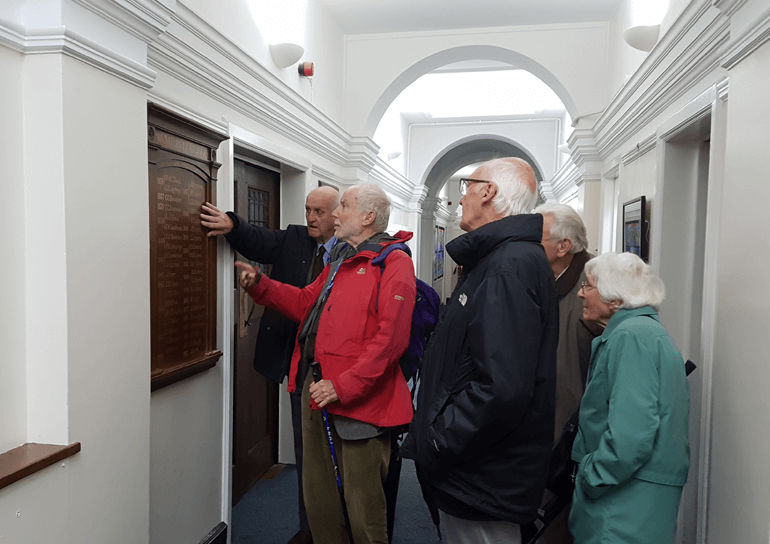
306,69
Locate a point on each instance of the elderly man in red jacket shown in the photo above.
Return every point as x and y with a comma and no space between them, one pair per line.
355,321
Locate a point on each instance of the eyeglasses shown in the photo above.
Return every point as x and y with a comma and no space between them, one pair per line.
464,182
586,286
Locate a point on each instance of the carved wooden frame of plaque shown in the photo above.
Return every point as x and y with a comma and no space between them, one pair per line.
183,260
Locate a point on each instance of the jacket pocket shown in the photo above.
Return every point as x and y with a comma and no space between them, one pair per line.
342,328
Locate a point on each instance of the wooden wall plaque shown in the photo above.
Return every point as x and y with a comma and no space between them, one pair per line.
183,298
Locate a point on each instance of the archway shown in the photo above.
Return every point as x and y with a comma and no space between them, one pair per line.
463,153
458,54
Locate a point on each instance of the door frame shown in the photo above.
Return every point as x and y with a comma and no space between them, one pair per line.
260,170
295,183
711,103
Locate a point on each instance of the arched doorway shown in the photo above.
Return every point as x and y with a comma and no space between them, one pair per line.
464,153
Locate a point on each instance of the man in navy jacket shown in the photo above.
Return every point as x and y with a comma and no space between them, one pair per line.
483,430
296,255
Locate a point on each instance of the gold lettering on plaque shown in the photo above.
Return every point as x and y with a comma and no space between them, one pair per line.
174,143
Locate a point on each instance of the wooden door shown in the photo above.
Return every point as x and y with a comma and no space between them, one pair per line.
255,412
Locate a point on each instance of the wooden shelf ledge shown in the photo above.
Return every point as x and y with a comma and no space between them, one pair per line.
27,459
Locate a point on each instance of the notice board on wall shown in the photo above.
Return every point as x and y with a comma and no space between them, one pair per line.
183,298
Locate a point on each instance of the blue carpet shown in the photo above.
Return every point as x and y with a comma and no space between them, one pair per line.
267,514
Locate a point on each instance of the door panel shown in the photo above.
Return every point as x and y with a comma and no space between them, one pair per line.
255,412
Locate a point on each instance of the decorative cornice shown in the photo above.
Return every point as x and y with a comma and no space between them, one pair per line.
236,80
329,176
62,40
399,188
12,36
612,172
728,7
589,177
419,194
144,19
202,58
582,141
216,126
692,64
748,40
723,88
563,181
687,20
642,148
702,113
363,153
442,213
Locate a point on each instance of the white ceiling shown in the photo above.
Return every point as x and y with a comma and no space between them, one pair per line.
380,16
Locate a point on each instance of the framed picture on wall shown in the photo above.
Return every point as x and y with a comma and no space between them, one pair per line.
635,232
438,247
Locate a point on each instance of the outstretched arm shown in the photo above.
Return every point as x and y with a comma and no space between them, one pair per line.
253,242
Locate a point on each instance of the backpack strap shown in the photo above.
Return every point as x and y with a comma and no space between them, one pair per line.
380,260
384,252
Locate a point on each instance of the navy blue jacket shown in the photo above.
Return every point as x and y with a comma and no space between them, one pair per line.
483,430
291,253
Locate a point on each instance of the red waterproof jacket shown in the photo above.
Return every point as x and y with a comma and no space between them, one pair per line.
362,332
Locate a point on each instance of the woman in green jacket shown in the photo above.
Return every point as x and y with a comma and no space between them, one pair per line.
632,449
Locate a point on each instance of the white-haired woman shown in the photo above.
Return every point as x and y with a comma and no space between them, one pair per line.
632,445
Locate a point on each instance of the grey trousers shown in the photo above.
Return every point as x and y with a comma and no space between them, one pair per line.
463,531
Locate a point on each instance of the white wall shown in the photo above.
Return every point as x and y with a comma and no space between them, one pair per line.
550,52
428,142
13,403
186,458
78,332
86,301
637,178
325,49
108,304
739,498
623,59
323,44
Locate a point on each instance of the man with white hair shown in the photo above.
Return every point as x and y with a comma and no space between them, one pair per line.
483,430
355,321
565,242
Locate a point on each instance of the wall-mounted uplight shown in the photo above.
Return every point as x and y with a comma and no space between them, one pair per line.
642,37
286,54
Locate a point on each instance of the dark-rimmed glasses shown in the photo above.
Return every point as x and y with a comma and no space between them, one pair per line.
464,182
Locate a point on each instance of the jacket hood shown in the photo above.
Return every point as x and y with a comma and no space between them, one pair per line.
469,248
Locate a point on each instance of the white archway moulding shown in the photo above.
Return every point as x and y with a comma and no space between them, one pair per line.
479,148
459,54
471,150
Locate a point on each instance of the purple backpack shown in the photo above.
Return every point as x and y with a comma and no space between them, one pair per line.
424,317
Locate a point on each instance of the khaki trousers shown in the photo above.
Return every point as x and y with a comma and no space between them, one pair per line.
363,467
